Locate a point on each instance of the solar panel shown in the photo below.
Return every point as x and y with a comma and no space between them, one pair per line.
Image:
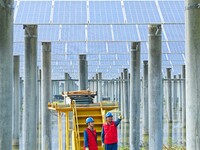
70,12
105,12
177,57
175,32
97,48
73,33
177,47
141,12
76,48
18,33
172,11
34,12
117,47
125,33
99,33
107,45
48,33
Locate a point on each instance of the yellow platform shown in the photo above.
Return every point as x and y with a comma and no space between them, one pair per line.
80,113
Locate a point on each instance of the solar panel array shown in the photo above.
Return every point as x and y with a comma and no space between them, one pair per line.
101,29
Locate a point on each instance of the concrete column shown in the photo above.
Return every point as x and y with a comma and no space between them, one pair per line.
175,93
6,73
155,88
135,96
117,90
70,84
92,89
66,88
145,99
62,87
125,98
21,107
180,93
184,99
46,95
16,103
112,89
192,45
29,123
107,88
56,87
129,83
169,95
122,94
86,76
100,86
83,74
97,89
39,109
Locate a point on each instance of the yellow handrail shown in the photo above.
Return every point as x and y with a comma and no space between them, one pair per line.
77,127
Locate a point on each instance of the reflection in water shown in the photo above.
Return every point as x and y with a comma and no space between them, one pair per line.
169,135
124,134
15,147
145,142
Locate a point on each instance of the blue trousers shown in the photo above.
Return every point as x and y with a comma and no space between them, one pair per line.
111,146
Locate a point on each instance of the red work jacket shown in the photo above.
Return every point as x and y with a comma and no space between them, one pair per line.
92,139
110,133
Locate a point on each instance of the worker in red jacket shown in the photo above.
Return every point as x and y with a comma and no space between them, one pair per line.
90,135
109,132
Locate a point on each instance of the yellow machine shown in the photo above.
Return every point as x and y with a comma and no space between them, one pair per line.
80,112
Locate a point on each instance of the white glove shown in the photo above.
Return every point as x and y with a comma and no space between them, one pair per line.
120,117
86,148
103,144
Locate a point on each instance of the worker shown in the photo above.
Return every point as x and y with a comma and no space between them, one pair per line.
90,135
109,132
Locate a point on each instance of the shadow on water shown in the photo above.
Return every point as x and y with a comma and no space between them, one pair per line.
15,147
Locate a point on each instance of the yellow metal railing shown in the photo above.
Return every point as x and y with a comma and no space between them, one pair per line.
76,126
59,130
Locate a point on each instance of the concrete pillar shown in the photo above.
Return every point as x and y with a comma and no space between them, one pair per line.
175,93
180,93
16,103
107,88
117,90
97,89
62,87
92,84
192,45
56,88
46,95
184,99
145,99
125,98
39,110
100,86
6,73
120,92
135,96
122,95
129,83
155,88
29,123
21,101
86,76
112,89
66,88
83,74
169,95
